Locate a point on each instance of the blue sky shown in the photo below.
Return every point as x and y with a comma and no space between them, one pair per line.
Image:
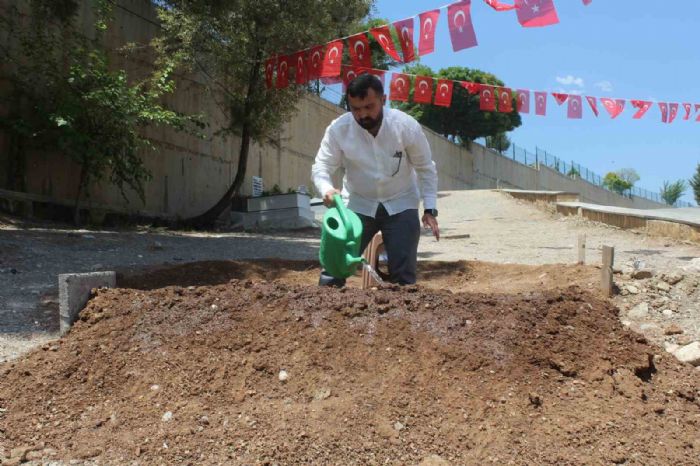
611,48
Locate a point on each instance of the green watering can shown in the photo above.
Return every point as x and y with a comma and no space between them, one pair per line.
341,235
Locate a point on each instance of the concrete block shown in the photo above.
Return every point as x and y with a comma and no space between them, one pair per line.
74,292
281,201
279,219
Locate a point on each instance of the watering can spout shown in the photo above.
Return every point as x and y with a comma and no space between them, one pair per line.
341,235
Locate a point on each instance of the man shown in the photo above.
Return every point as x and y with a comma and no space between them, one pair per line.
387,159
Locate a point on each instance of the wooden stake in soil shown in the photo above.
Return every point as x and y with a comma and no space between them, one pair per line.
371,255
606,272
581,249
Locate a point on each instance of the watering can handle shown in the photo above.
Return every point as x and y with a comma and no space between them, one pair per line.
343,212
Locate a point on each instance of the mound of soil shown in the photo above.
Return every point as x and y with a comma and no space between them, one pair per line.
192,375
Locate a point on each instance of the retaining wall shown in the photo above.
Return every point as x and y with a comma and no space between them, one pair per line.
190,174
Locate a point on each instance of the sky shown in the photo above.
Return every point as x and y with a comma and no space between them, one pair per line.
627,49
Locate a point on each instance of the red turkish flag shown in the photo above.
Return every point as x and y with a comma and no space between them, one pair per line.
399,87
443,94
697,109
404,30
614,107
428,23
575,110
314,62
349,73
487,102
523,100
540,103
559,97
423,90
282,72
460,24
505,100
642,107
536,13
472,88
587,2
593,103
269,72
332,59
299,62
672,112
360,54
498,6
383,36
663,106
688,108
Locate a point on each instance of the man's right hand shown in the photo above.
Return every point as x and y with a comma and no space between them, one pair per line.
328,197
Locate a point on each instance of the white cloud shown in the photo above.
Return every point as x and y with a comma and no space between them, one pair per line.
605,86
569,91
569,80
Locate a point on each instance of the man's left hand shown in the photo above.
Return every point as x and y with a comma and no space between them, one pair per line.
431,222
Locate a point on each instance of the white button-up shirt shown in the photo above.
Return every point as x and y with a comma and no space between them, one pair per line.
389,168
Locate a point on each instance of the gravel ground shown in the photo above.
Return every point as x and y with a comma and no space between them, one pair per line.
475,225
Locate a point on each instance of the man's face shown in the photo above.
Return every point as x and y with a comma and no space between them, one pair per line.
367,111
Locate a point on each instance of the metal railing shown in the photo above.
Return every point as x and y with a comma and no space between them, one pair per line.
576,170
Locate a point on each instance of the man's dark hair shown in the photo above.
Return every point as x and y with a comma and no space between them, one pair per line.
359,86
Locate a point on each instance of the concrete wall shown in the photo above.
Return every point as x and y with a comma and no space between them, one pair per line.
190,174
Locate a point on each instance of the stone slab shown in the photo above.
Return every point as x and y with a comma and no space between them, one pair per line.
282,201
74,292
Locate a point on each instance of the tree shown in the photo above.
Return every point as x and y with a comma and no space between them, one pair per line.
229,41
629,175
695,184
463,121
671,192
65,96
615,183
498,142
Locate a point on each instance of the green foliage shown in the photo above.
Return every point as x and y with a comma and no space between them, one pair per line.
615,183
498,142
629,175
672,191
463,121
695,184
71,100
573,172
231,39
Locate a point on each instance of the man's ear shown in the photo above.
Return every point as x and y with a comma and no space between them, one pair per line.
383,100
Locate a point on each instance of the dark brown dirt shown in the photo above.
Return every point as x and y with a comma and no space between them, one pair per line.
388,376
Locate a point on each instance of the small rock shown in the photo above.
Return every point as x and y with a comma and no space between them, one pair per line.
689,353
322,394
673,330
641,274
640,311
167,416
663,286
398,426
157,246
631,289
684,340
670,347
667,313
283,376
155,387
672,278
204,420
20,452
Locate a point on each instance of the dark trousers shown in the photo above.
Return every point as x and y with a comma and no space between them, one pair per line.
400,233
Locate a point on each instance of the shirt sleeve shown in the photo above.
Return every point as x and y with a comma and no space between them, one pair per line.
328,160
420,157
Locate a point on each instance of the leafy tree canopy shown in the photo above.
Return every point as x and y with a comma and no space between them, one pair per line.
463,121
